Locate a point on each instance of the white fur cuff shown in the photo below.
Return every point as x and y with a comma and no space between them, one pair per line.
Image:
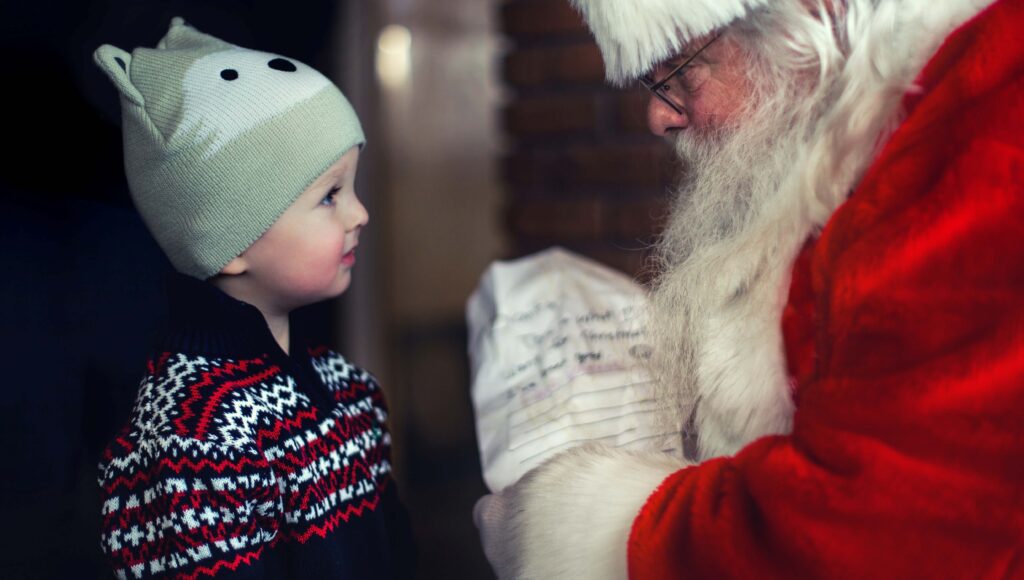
574,513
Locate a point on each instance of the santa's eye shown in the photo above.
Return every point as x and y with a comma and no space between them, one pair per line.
691,77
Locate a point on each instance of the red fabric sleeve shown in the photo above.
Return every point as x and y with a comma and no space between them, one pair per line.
907,453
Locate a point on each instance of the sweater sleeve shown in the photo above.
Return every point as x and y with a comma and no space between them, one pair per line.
183,508
907,452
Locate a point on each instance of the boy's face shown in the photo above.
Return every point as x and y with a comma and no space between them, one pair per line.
309,252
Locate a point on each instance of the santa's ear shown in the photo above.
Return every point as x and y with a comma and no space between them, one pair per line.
116,63
235,267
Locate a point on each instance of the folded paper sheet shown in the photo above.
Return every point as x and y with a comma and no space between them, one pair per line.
557,345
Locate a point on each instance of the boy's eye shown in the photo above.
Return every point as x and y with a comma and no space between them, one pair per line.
329,198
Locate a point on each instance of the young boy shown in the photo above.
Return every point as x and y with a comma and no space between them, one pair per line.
249,453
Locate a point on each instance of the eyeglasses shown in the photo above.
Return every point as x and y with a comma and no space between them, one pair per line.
665,87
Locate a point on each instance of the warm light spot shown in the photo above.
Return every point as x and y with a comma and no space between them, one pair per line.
394,49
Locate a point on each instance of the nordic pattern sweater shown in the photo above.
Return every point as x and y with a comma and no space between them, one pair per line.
242,461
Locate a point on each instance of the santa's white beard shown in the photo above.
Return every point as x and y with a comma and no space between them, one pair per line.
730,174
723,266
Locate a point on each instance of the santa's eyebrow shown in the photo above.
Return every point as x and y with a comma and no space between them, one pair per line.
689,54
685,54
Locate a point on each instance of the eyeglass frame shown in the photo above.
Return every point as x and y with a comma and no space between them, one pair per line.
656,86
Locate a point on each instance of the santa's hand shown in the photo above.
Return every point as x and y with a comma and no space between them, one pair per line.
491,515
570,518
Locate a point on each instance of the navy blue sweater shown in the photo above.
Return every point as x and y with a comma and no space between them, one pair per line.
242,461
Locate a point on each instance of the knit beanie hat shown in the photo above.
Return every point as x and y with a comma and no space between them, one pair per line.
219,140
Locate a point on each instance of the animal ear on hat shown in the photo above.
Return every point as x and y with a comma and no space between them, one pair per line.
116,63
182,35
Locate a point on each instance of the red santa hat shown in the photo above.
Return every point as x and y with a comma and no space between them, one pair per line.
635,34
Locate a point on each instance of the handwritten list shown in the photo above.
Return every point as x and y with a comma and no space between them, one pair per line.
558,344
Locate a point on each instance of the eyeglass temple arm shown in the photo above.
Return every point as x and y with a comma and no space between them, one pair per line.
655,85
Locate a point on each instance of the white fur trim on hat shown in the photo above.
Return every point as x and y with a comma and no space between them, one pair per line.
633,35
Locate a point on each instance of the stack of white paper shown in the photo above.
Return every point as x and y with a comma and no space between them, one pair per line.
557,343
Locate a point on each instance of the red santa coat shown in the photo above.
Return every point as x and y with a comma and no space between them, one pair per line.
905,331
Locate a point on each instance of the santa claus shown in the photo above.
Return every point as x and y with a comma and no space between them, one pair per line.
840,307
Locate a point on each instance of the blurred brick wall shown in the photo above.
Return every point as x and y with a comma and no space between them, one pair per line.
581,169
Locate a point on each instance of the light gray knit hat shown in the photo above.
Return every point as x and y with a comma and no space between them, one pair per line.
219,140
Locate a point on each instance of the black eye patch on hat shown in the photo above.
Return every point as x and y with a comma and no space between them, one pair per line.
281,64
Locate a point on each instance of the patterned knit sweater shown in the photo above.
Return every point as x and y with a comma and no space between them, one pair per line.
242,461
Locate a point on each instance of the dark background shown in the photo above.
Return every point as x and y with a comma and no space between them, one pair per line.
82,293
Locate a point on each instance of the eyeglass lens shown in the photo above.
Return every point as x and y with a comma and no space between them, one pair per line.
663,88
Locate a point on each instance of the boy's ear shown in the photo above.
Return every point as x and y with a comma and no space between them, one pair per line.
235,267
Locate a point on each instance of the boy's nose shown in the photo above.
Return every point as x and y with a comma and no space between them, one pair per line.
357,216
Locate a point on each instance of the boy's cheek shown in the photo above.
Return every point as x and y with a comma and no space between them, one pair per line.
316,273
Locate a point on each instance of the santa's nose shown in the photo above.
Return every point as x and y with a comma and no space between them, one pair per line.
663,119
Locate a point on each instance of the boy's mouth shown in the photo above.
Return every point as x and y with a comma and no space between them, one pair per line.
349,258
